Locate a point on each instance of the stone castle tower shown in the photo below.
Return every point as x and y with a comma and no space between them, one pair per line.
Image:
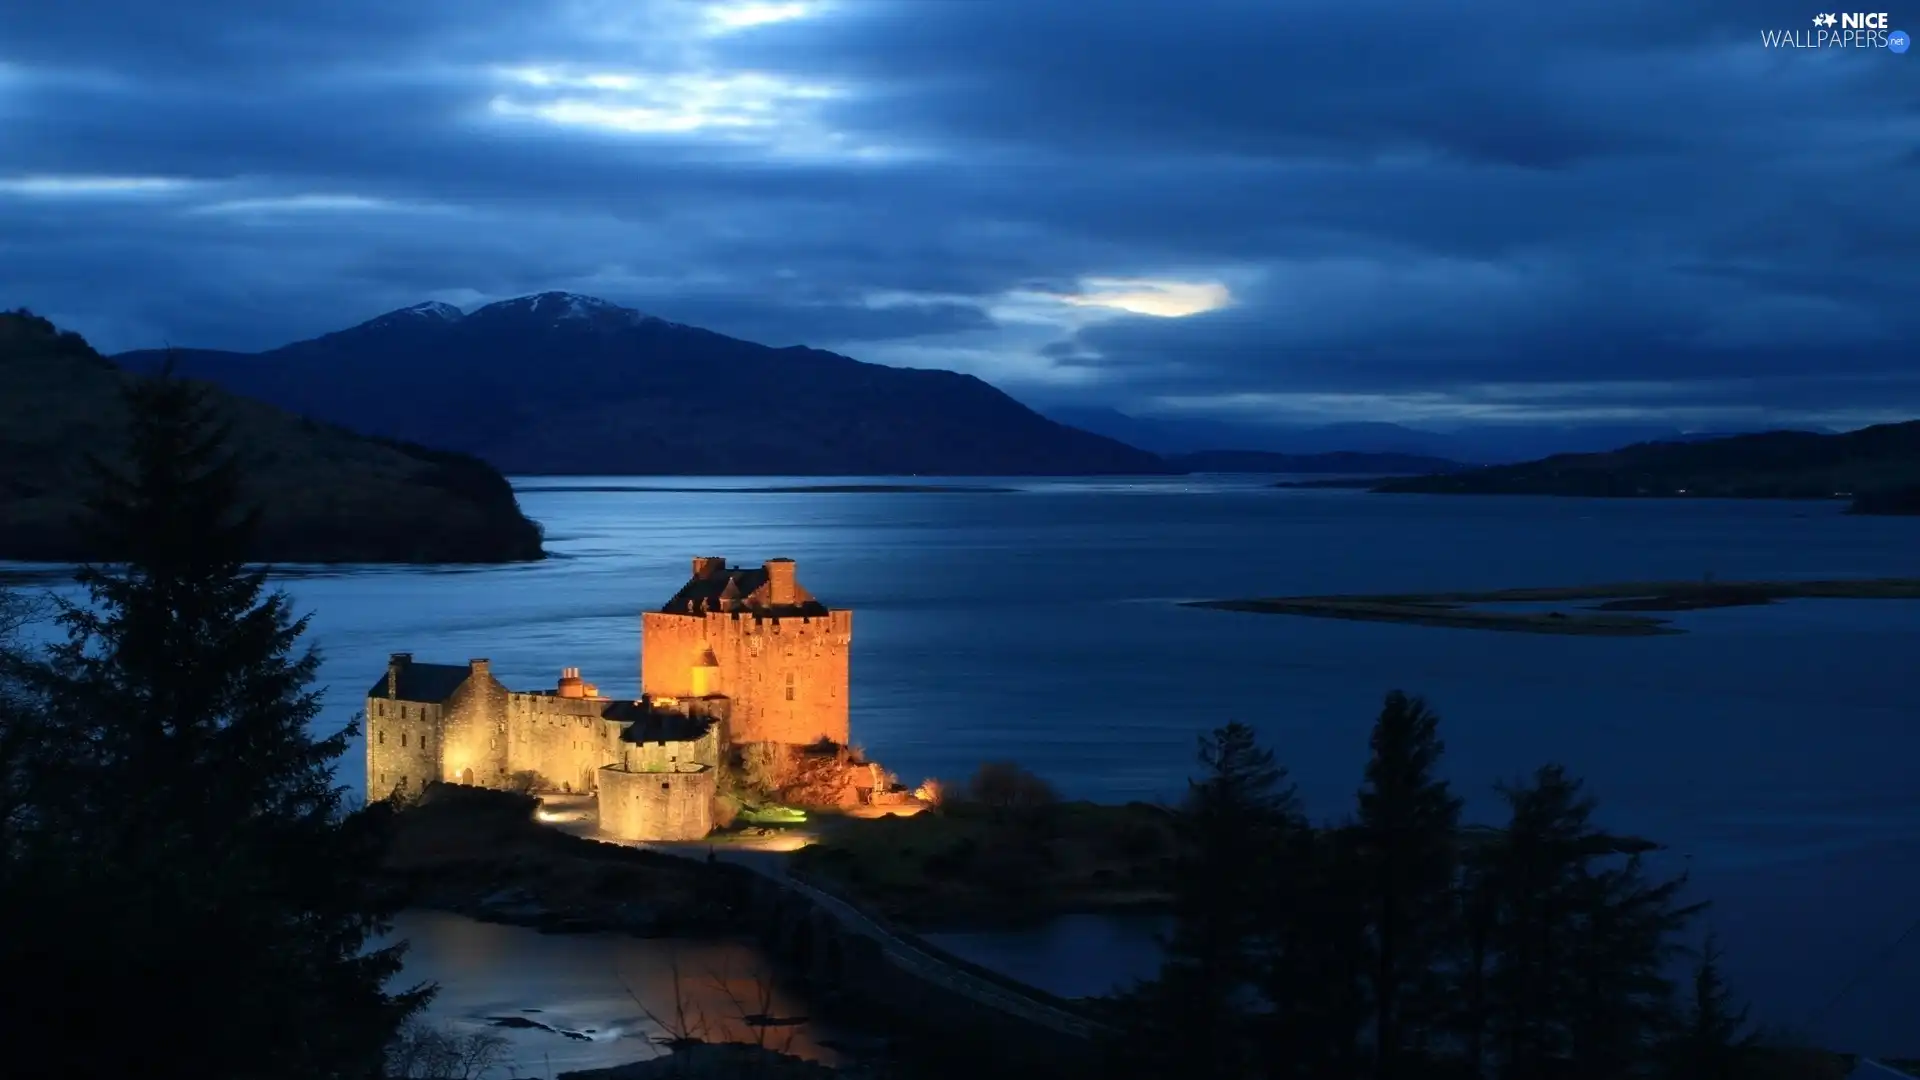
756,638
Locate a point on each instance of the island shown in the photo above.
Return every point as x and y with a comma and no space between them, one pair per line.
325,494
1607,618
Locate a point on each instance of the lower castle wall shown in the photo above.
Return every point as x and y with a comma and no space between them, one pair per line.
562,741
657,805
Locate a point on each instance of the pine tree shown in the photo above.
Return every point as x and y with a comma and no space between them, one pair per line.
1405,838
1239,816
202,868
1315,962
1581,940
1712,1042
26,750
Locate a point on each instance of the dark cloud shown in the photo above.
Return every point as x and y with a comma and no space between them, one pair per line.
1482,210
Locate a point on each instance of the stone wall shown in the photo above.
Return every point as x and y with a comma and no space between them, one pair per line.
473,732
657,805
787,677
403,746
563,741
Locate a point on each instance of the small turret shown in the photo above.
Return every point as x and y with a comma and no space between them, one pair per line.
705,677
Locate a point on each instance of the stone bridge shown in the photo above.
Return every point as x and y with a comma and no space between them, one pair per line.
851,957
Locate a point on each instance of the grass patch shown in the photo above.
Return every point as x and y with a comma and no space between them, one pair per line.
962,864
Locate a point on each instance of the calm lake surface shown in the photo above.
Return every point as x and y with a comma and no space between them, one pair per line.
598,999
1773,748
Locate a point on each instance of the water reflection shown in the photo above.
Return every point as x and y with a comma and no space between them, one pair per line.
1071,956
591,1000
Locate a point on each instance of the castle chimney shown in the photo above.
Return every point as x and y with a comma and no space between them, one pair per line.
570,684
395,662
707,566
480,667
781,591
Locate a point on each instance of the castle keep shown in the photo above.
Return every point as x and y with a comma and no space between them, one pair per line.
756,637
737,656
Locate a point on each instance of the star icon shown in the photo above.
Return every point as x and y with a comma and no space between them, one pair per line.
1830,19
1819,20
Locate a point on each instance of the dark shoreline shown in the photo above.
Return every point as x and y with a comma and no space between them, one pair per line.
1604,619
783,489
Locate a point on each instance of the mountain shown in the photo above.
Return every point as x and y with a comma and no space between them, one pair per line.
1489,444
1341,461
565,384
1771,465
326,494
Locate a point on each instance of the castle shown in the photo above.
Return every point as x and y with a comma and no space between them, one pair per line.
737,656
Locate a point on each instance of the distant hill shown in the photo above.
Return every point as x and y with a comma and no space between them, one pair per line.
326,494
1341,461
1773,465
559,384
1486,444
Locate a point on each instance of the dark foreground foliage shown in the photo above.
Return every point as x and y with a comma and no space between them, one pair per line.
183,891
1401,944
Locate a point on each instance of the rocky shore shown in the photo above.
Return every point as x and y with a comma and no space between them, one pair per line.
483,854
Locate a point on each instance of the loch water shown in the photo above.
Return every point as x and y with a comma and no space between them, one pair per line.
1773,749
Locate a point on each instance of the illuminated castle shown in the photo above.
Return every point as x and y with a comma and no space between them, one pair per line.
737,656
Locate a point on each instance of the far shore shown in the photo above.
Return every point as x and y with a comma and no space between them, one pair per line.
1603,619
786,489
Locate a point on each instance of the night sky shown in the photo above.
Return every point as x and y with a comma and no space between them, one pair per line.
1590,212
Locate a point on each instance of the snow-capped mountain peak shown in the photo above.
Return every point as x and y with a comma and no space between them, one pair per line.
557,307
433,312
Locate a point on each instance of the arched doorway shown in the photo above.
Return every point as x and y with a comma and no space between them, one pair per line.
466,777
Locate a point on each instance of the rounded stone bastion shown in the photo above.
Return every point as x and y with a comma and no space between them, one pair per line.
662,805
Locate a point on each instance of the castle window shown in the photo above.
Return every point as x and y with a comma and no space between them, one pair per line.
380,737
423,742
665,785
789,686
403,738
